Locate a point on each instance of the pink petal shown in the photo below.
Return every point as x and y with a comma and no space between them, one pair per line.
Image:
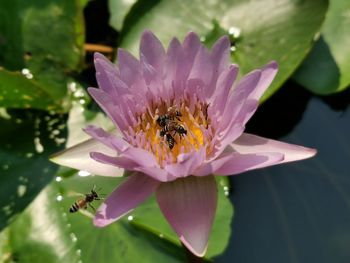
190,49
230,135
141,157
107,105
189,205
156,173
231,163
221,54
117,161
173,65
135,159
254,92
191,45
138,156
238,97
268,73
152,49
248,143
149,73
251,86
132,192
129,67
220,58
78,157
237,112
186,163
107,139
173,48
202,63
105,70
223,86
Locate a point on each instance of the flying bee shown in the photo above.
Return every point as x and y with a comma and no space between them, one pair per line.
174,127
171,115
170,140
86,201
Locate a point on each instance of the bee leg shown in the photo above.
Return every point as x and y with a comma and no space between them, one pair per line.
93,208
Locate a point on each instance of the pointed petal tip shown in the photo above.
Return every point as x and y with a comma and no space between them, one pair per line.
192,34
59,157
54,157
120,53
98,55
197,251
99,222
311,152
234,68
223,40
192,37
128,195
91,89
189,205
271,65
253,144
148,34
94,155
147,31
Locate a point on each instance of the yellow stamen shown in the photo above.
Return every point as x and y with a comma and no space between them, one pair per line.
195,121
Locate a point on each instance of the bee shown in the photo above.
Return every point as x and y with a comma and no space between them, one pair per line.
171,115
170,140
174,127
85,202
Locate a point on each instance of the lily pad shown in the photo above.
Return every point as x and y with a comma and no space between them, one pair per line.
326,70
262,31
43,37
27,138
118,10
17,91
73,237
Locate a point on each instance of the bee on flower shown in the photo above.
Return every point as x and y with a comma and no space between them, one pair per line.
213,107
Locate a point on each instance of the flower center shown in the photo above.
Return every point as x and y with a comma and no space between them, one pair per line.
167,129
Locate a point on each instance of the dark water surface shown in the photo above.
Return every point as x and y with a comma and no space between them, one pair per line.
298,212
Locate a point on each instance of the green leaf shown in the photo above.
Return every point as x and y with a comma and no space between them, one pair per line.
327,68
79,118
118,10
45,37
47,232
27,138
73,237
280,30
17,91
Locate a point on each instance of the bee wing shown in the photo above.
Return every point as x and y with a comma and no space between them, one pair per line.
86,213
74,194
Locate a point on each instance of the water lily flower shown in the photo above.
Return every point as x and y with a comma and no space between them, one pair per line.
191,87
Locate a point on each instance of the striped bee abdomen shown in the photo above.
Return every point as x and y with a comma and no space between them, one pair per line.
74,208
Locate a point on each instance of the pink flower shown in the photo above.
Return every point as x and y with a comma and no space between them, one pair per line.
214,109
